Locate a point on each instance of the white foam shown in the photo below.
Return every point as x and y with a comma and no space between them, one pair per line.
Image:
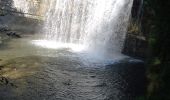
58,45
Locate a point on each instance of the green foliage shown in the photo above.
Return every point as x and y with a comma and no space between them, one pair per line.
159,63
155,62
152,41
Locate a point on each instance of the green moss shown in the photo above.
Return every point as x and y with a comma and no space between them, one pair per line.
156,61
157,23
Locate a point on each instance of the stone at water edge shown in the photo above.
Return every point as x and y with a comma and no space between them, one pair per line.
13,34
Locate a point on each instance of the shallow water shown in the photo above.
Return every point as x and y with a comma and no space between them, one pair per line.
60,74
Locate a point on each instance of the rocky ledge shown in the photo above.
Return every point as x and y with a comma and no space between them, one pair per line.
135,46
6,34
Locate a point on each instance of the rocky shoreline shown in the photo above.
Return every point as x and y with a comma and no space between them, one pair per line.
6,34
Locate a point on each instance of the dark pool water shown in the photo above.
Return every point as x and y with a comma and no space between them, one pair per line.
65,76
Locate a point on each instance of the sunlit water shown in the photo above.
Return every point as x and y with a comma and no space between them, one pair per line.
32,45
62,73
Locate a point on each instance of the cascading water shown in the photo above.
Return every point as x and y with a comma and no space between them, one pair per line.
100,25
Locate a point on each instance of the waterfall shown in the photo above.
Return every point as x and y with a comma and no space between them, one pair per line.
99,25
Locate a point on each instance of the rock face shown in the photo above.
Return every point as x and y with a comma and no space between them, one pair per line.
22,15
136,43
135,46
137,9
27,8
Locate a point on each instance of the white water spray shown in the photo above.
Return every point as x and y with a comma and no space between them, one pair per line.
100,25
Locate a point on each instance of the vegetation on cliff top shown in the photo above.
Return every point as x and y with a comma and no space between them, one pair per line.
156,22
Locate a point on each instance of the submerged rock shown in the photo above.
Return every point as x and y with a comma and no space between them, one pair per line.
13,34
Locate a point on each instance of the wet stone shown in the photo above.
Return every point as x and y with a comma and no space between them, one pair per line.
13,34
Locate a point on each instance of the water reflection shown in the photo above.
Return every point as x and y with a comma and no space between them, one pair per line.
43,74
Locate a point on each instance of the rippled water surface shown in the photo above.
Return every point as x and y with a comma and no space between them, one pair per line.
38,73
